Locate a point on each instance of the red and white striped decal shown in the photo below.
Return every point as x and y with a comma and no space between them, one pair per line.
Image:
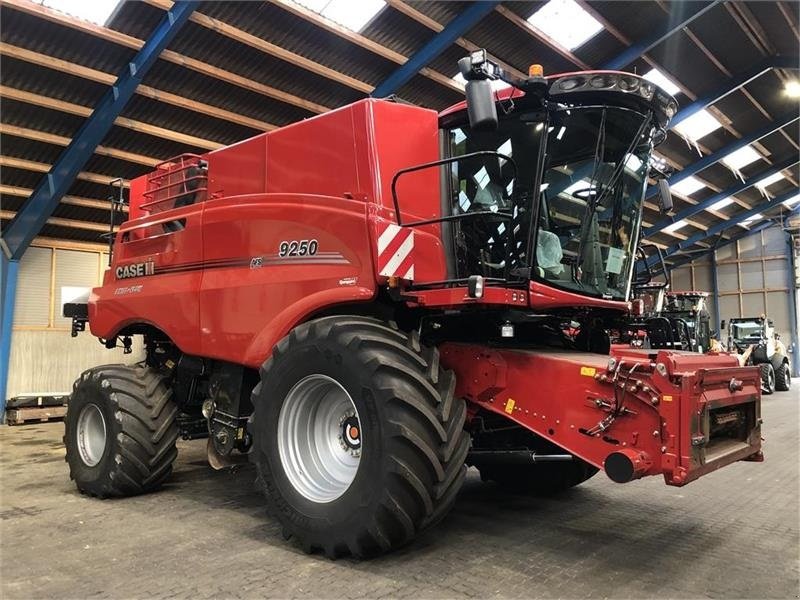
396,252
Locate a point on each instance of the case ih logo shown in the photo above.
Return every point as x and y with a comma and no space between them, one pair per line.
396,252
136,270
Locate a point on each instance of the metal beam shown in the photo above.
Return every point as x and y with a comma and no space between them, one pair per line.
8,290
735,220
792,285
677,21
34,214
707,161
767,222
773,62
731,191
438,44
715,292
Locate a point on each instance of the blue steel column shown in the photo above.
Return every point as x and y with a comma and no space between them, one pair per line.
715,291
457,27
8,283
30,219
793,318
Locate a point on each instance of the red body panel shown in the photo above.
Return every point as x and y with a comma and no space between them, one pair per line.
563,396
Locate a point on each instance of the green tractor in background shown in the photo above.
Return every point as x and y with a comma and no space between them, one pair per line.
754,341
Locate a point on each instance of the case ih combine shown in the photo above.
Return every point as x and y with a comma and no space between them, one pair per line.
368,301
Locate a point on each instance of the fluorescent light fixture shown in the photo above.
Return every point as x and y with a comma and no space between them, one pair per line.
675,226
721,204
751,220
700,124
94,11
687,186
768,181
497,84
741,158
566,23
353,15
792,89
662,81
791,201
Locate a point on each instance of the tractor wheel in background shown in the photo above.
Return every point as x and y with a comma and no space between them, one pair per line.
767,378
358,440
783,378
120,431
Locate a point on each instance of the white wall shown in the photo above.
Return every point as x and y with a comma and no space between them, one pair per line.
44,358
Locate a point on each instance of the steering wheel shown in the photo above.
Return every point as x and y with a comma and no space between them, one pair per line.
589,193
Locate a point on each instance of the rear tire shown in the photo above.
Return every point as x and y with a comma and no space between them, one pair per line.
120,431
767,378
399,402
783,378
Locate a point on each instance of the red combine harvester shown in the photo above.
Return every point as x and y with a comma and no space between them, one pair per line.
367,301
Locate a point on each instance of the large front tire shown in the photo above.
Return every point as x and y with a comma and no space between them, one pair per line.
120,431
767,378
367,480
783,378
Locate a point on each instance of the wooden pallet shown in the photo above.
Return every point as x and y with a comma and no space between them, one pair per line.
20,416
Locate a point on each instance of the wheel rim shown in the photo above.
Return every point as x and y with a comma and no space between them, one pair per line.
91,435
319,438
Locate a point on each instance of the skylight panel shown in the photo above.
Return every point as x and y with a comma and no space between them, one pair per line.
675,226
94,11
662,81
698,125
721,204
790,203
350,14
749,221
687,186
565,22
741,158
768,181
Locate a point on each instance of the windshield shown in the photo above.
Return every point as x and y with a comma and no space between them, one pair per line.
685,303
746,330
591,197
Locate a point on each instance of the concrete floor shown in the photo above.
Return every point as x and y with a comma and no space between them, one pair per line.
733,533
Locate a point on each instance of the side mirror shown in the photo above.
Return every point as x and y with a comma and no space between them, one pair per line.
664,195
722,324
481,108
478,72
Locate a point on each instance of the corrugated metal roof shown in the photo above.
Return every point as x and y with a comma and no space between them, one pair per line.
680,56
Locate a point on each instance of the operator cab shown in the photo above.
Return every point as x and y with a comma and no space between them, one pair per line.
543,182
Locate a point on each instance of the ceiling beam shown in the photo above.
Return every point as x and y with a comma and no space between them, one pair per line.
83,111
434,25
362,41
39,167
61,222
731,191
198,66
89,74
732,222
457,26
535,32
12,190
60,140
675,23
